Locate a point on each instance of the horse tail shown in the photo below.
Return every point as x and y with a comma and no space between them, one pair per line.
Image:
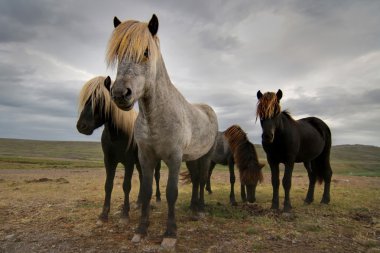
321,165
245,156
185,177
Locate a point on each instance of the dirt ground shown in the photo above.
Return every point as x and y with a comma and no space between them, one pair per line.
55,210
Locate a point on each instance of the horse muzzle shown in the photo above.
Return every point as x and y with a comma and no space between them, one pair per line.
84,129
267,138
124,99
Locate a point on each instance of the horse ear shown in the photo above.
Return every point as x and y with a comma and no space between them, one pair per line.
153,25
116,22
259,94
279,94
107,83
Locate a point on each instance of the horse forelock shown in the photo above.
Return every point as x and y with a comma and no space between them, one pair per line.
95,90
268,106
129,40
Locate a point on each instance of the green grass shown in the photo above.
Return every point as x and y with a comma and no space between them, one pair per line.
355,160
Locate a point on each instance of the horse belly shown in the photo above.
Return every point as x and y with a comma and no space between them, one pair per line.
202,132
311,145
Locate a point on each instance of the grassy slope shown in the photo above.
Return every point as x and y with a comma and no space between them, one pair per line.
345,159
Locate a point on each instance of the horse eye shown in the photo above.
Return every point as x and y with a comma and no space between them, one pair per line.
146,53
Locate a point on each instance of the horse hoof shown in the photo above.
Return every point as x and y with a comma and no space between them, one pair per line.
325,201
99,223
168,244
308,201
273,207
234,203
202,215
136,238
287,209
135,206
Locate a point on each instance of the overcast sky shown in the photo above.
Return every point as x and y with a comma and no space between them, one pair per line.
324,55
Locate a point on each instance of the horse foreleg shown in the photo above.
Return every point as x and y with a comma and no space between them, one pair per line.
110,171
274,167
139,197
171,196
157,178
287,184
147,165
312,179
232,183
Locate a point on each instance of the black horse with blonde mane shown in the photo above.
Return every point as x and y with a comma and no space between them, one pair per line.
290,141
96,109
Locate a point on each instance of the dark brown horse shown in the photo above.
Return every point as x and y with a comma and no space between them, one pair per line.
97,109
232,146
290,141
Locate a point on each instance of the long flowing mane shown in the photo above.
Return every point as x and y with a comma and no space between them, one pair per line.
245,155
268,106
95,90
131,39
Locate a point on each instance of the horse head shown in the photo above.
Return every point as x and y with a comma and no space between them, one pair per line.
135,47
268,110
92,105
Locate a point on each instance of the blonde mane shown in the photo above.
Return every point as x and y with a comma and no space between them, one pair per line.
268,106
131,39
95,90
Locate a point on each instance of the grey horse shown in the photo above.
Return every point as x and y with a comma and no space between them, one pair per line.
167,127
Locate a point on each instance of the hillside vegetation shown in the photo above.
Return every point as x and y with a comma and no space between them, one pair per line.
358,160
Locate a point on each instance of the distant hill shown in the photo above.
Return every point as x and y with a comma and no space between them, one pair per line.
359,160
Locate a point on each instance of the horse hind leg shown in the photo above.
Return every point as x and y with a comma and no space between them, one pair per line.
208,184
157,179
326,175
312,179
127,185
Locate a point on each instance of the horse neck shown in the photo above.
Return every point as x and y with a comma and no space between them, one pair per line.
160,96
113,130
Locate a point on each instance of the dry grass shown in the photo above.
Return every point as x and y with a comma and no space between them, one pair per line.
60,216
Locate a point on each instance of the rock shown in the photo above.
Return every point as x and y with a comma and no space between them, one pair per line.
99,223
124,221
168,244
10,237
136,238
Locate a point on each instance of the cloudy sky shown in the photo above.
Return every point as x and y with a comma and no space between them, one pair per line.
324,55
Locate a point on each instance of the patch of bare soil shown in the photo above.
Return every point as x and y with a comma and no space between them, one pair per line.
57,210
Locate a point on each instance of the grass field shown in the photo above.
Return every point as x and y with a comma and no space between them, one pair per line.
52,192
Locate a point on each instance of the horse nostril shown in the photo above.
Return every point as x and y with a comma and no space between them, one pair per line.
127,94
267,136
81,126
